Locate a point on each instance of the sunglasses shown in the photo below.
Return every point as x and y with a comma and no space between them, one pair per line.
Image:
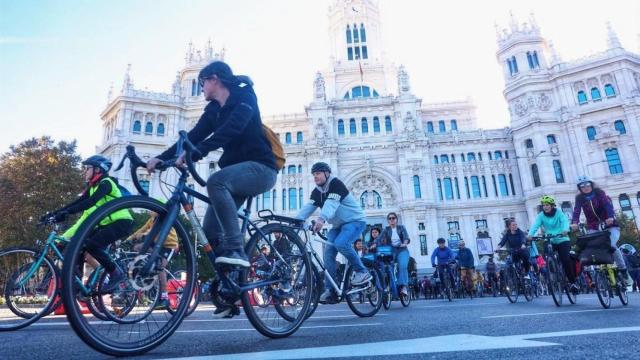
391,218
584,185
202,80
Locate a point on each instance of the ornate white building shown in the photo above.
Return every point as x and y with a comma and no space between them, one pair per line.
428,162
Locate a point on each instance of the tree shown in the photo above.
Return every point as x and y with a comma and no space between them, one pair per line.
36,176
628,231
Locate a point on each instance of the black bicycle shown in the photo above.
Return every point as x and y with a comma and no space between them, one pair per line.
515,281
234,284
556,278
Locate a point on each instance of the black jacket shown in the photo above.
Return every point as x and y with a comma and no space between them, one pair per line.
236,127
515,241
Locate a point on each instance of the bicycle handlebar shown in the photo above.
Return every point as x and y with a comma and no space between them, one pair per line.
546,237
313,222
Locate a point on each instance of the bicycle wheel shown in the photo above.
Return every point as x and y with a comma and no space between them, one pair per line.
372,291
128,305
554,281
175,291
622,290
288,284
448,289
511,284
127,337
603,288
387,295
527,289
571,294
29,288
405,300
93,303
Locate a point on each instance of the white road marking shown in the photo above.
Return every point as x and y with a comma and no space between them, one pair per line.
551,312
302,327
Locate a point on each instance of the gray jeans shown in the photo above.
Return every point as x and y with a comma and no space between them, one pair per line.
228,189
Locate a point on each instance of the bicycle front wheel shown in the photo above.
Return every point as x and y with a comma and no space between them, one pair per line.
511,285
554,281
603,289
130,335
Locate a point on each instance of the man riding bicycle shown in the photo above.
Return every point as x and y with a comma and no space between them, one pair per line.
339,208
443,255
467,265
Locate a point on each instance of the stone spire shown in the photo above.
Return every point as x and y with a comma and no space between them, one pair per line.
612,38
319,88
110,93
555,57
127,83
176,89
403,81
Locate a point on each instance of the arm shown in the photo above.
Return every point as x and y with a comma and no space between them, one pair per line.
564,222
231,128
103,190
307,210
433,257
503,240
143,230
577,209
203,128
536,225
608,205
406,239
329,209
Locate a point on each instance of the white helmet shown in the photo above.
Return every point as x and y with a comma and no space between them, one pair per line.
584,179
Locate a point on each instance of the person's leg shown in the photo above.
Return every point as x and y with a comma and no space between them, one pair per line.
402,258
563,249
212,229
614,235
102,237
349,232
329,258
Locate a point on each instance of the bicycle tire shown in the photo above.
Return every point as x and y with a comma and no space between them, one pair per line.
511,286
83,328
622,290
603,288
374,287
527,289
387,296
554,283
405,300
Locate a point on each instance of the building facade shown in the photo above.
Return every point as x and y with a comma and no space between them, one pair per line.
428,162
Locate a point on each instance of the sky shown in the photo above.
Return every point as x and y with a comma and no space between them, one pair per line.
59,58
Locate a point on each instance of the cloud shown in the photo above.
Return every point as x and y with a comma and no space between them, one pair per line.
23,40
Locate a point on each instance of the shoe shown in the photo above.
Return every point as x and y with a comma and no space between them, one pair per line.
162,304
574,288
326,296
233,257
527,277
404,291
115,279
360,278
226,312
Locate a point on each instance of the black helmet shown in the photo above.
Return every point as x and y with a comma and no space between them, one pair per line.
320,167
441,240
99,161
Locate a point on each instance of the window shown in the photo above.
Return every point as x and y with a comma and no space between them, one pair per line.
595,94
536,175
530,60
423,245
475,187
137,125
340,127
506,154
497,155
466,186
462,157
481,224
363,35
266,200
471,157
513,189
535,59
387,124
349,56
448,189
300,198
625,206
484,186
502,180
363,199
495,185
591,133
421,226
480,156
148,128
441,127
299,137
453,158
455,182
293,199
284,199
352,127
416,187
273,202
609,91
299,169
365,126
514,63
454,125
194,86
376,125
365,54
360,91
429,127
557,169
489,153
444,159
528,144
348,34
377,200
355,34
291,169
453,225
287,138
439,182
567,209
160,129
551,139
619,125
145,185
582,97
613,158
435,159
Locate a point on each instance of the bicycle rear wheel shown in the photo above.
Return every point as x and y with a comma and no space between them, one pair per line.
387,295
554,281
288,285
29,289
130,336
528,289
369,304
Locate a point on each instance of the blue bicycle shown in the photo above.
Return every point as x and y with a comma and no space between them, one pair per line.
391,290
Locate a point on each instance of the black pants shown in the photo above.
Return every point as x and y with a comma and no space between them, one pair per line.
101,237
522,255
567,263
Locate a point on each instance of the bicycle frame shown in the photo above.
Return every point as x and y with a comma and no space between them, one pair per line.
319,263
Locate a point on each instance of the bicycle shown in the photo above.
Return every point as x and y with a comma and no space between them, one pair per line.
386,266
555,276
514,277
465,282
233,284
447,280
609,283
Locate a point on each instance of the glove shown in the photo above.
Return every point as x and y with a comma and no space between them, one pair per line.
61,216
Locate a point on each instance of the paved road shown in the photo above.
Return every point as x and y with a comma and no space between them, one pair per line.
478,328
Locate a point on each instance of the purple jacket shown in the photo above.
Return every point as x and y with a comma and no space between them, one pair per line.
597,207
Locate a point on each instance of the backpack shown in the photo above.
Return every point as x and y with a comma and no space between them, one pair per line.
276,146
123,190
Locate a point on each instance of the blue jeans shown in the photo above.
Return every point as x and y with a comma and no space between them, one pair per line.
343,239
401,256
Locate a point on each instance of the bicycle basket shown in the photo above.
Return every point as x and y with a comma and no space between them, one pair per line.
384,251
368,260
596,240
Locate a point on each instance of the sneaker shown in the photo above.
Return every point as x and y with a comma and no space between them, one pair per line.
404,291
233,257
326,296
115,279
527,277
574,287
360,278
162,304
226,312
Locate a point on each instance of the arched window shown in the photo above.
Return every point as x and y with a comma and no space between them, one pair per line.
416,187
613,158
293,199
352,127
448,189
502,180
160,129
551,139
625,206
513,188
429,127
557,169
591,133
442,127
439,182
148,128
609,91
349,34
536,175
377,200
455,182
595,94
363,199
266,200
528,144
376,125
497,155
582,97
466,187
356,38
462,157
475,187
435,159
291,169
340,127
363,35
145,185
454,125
490,157
137,125
287,138
299,169
360,91
387,124
619,125
471,156
194,86
514,63
364,124
530,60
444,159
535,59
299,137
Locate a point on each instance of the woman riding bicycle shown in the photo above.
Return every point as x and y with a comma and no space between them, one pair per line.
517,243
556,223
398,237
598,209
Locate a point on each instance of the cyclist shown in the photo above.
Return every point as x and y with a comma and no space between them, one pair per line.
339,208
248,166
373,236
398,237
467,265
492,271
101,188
443,254
555,223
597,208
517,242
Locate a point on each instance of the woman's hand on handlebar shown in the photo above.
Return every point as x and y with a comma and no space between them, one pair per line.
181,161
151,164
574,227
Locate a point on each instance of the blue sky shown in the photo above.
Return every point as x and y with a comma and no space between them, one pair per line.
58,58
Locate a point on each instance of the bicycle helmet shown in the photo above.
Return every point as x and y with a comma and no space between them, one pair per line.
99,161
583,179
320,167
548,200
